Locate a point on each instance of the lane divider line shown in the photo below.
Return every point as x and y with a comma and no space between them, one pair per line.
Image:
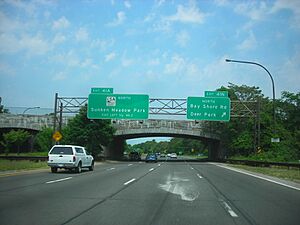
130,164
192,168
259,177
229,210
151,169
130,181
59,180
110,169
199,176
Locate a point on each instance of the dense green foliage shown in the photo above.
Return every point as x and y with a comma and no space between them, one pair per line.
177,145
43,140
93,134
14,140
238,134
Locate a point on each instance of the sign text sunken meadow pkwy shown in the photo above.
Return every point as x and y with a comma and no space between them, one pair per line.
118,106
211,109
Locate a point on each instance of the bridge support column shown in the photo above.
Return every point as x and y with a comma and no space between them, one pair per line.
214,150
116,149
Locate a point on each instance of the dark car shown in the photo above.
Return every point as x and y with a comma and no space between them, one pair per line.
134,156
151,157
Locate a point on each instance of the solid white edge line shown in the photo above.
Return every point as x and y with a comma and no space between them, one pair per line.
151,169
128,182
256,176
229,210
54,181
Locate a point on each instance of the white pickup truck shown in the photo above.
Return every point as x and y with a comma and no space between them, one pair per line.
69,157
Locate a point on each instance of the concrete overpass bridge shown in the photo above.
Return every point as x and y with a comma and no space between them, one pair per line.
146,128
126,129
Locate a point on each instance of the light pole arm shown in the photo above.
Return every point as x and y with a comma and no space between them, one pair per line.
30,108
273,85
255,63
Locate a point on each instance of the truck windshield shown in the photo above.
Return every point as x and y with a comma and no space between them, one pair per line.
62,151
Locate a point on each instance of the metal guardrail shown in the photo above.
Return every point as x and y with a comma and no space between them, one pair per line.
31,158
232,161
262,163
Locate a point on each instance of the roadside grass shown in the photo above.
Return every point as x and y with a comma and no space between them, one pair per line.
26,154
291,174
21,165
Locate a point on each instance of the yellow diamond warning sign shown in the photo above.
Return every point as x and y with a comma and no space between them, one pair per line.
57,136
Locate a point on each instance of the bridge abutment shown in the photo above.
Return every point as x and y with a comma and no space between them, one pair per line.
116,149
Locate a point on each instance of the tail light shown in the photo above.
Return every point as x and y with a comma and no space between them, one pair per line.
74,158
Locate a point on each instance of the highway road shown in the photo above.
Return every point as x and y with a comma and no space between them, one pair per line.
146,193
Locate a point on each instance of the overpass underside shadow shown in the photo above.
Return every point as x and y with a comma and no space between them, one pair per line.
115,150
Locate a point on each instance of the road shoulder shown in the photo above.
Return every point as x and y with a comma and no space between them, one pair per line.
276,180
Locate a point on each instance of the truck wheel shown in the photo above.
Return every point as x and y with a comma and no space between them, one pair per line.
91,168
78,168
53,169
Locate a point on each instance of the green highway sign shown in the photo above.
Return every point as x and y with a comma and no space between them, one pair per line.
102,90
216,94
208,108
118,106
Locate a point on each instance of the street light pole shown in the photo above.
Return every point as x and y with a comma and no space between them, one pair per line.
37,107
273,86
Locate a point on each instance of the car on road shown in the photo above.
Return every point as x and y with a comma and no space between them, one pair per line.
151,157
134,156
173,156
69,157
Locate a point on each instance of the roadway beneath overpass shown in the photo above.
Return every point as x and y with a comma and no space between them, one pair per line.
130,129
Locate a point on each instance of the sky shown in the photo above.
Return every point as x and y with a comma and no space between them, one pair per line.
166,49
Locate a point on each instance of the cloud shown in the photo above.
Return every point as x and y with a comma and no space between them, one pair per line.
61,23
33,45
177,65
254,10
221,2
82,35
102,44
293,6
187,14
288,72
9,25
153,62
159,3
121,17
183,38
126,62
110,56
127,4
58,39
70,59
59,76
6,69
249,43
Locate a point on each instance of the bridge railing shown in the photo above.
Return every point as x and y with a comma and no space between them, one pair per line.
34,122
151,123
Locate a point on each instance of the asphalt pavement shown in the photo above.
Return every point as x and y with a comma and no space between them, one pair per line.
146,193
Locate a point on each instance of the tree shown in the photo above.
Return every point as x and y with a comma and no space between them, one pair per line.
89,133
15,138
43,139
